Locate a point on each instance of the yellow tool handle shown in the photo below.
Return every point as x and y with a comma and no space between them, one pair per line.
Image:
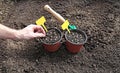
55,14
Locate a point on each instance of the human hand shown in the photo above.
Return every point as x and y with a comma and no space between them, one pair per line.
30,32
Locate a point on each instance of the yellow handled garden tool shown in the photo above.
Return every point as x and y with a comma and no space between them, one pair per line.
65,23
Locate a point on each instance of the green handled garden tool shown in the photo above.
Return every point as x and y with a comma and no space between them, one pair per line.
66,25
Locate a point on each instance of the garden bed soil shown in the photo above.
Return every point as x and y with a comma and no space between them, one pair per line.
100,19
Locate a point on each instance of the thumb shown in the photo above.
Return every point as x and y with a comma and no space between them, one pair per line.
39,35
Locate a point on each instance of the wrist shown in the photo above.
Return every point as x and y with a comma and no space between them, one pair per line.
17,34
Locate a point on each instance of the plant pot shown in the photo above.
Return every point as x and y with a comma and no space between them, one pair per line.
75,40
52,40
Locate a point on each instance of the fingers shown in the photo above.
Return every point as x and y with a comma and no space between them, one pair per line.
39,29
39,35
33,31
40,32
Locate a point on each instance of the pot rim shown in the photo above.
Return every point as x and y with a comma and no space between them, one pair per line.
79,30
61,35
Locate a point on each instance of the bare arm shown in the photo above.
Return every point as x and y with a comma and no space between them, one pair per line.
6,32
29,32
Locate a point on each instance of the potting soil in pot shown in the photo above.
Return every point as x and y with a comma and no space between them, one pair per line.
52,36
75,37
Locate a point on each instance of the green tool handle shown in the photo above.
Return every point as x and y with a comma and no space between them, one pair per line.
55,14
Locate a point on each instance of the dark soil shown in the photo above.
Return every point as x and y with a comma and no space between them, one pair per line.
100,19
52,36
76,37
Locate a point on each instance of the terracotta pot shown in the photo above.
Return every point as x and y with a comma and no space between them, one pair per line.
52,47
75,47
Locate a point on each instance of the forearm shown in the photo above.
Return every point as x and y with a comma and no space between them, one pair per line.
7,33
29,32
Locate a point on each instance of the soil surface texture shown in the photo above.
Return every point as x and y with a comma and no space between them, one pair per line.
76,37
100,19
52,36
